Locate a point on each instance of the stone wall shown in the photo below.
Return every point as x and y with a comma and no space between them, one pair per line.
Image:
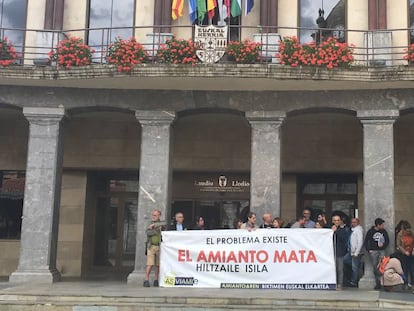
404,168
216,142
71,224
102,140
13,140
9,256
322,143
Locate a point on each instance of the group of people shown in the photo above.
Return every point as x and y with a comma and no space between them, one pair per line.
349,245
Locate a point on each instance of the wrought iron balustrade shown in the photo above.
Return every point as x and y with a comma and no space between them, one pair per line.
370,48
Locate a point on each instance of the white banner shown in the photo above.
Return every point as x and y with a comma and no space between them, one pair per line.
264,258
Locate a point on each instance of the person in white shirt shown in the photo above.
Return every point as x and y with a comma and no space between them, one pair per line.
355,252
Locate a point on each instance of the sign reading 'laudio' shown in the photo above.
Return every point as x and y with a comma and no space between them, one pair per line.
222,185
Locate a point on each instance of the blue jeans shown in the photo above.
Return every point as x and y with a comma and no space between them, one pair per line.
375,258
339,261
354,262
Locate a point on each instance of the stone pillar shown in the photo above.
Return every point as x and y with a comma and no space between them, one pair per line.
37,261
265,173
154,178
378,176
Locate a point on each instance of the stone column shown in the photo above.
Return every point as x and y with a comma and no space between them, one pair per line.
37,261
154,178
378,154
265,173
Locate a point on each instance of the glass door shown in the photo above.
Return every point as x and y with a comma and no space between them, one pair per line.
115,232
331,194
217,214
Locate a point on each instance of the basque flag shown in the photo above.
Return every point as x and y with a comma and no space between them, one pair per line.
249,6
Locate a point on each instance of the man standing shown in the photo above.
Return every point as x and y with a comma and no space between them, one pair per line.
376,241
341,237
250,224
309,223
353,257
321,218
300,223
153,247
267,221
178,224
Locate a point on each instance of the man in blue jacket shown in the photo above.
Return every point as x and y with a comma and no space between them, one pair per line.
341,237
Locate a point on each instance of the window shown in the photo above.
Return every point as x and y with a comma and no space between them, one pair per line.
232,22
109,19
411,20
316,15
13,17
11,203
329,194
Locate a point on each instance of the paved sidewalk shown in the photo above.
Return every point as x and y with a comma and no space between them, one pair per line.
111,295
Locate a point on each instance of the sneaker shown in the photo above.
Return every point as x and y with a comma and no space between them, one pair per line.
351,284
146,283
377,287
155,283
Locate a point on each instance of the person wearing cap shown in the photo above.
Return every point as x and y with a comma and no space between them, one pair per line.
376,241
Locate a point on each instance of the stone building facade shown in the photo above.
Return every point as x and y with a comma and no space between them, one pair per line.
99,151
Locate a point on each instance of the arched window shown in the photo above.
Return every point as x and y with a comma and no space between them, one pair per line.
109,19
13,21
322,18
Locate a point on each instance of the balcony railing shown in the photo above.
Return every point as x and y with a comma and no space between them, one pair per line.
371,48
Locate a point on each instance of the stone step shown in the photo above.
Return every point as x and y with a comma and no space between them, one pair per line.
311,300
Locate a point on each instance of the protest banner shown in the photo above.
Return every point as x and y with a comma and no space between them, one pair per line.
263,259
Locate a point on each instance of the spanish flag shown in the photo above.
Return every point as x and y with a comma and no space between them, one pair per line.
177,9
211,5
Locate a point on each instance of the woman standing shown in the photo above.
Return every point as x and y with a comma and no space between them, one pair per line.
200,223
